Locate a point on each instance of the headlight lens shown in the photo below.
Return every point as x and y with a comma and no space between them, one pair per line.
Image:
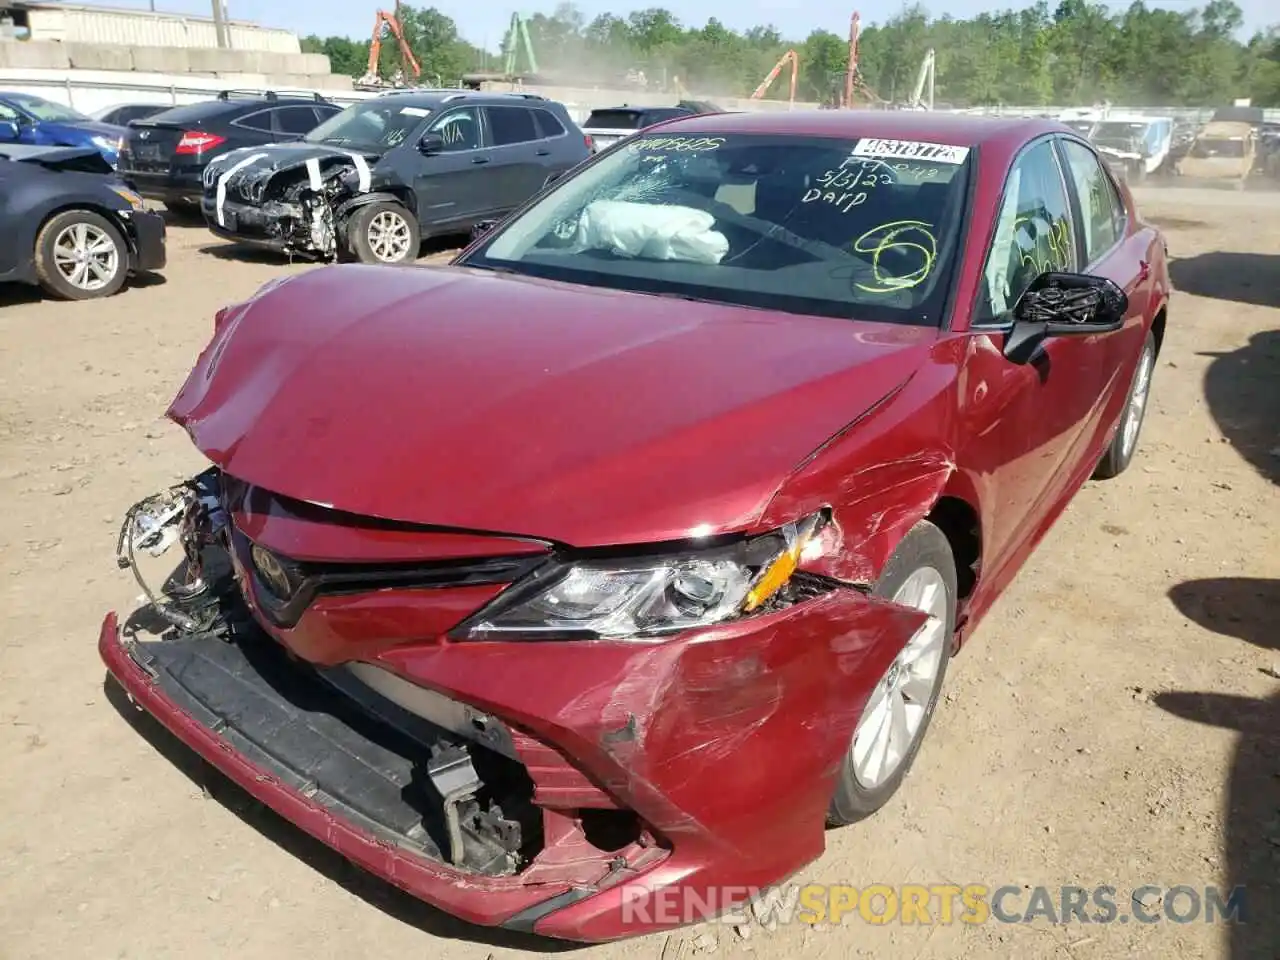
646,597
129,197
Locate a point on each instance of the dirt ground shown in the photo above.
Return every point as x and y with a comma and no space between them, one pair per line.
1116,721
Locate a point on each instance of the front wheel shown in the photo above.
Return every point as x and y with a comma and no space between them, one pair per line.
1123,445
81,255
384,232
920,574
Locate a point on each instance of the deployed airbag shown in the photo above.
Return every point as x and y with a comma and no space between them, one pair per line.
651,231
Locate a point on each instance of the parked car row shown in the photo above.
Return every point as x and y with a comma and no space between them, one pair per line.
292,172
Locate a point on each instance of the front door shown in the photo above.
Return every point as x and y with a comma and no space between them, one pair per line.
1026,419
453,187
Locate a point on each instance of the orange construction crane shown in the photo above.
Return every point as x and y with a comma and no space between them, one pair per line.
386,20
787,58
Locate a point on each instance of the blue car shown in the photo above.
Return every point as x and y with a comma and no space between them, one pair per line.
33,120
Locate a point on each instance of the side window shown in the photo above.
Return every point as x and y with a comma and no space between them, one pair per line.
260,121
548,125
296,120
460,129
1100,208
324,113
508,125
1032,235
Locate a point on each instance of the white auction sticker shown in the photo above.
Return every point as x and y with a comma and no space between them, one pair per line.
910,150
415,111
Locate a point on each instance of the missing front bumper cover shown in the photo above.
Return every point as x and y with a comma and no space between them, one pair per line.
417,790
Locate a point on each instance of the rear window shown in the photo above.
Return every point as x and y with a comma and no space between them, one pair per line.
615,119
195,112
843,228
1206,148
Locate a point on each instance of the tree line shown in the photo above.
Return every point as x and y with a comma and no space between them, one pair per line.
1076,52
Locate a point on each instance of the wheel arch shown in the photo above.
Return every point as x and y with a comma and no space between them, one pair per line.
1158,326
111,216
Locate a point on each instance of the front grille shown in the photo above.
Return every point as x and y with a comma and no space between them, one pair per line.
310,580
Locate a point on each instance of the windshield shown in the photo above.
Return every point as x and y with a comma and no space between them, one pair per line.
381,123
43,109
842,228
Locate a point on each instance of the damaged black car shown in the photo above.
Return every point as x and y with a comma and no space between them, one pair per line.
371,182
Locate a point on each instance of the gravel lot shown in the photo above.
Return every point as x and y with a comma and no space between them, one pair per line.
1116,721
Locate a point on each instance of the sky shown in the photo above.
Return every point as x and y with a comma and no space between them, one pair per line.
484,23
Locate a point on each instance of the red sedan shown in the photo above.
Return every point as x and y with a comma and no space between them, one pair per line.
615,560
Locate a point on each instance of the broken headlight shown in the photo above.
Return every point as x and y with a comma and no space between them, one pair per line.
646,596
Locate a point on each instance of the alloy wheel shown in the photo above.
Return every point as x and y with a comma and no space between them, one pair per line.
389,237
894,716
1137,408
86,256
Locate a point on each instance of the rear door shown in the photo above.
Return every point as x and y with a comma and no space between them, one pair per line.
453,186
566,147
519,153
1115,249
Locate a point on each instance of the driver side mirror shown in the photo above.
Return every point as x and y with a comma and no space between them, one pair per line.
8,131
431,144
1063,305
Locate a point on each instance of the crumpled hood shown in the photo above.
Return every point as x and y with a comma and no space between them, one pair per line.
477,400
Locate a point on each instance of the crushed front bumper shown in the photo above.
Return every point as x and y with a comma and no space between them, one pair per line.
148,241
723,743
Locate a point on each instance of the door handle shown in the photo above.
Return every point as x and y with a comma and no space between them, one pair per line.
479,159
544,153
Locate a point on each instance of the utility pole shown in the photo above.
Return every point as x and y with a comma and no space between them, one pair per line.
219,24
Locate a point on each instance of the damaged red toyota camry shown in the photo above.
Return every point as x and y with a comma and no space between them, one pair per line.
626,553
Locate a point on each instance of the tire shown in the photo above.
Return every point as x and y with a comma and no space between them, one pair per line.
387,218
61,242
1124,444
923,557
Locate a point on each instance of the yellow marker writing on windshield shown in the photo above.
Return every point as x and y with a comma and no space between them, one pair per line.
909,237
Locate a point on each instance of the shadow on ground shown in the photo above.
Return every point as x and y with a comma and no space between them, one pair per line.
15,294
1245,609
1242,277
1243,391
381,895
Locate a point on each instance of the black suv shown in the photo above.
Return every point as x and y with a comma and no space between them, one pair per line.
164,156
372,181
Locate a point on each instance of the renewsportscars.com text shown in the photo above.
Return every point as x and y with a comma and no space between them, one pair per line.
927,904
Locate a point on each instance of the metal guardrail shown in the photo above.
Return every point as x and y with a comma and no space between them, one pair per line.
89,93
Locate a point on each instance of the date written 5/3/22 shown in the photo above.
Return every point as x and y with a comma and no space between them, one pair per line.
846,186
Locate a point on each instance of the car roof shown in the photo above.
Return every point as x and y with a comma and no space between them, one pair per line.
951,128
437,98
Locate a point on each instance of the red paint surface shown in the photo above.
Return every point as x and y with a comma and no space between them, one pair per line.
511,408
